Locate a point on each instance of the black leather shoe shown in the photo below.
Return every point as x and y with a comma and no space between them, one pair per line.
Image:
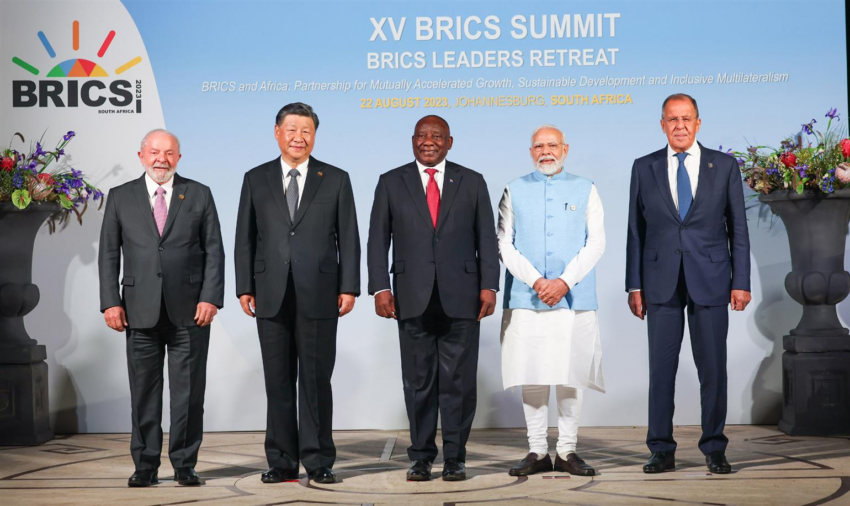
573,465
279,474
659,462
454,470
419,471
532,464
143,478
186,476
322,475
717,463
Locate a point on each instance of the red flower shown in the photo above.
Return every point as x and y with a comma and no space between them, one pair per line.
789,159
46,179
7,164
845,148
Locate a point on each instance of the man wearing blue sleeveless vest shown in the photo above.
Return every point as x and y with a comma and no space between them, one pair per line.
551,235
687,251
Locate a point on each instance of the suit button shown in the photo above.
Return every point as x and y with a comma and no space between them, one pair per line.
549,234
292,233
432,263
548,253
549,217
683,228
548,200
286,261
678,252
161,248
159,274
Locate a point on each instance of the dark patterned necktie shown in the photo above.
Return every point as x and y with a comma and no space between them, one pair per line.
292,193
683,182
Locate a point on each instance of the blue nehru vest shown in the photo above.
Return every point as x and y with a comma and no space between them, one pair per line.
549,230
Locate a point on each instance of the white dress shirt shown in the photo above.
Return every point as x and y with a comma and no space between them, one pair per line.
152,185
587,257
691,166
302,168
438,177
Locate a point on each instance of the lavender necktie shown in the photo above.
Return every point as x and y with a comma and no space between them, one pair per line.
160,212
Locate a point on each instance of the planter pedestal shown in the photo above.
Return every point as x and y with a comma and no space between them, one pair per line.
24,407
816,361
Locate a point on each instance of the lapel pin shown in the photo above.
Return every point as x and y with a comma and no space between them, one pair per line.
181,196
572,208
319,174
451,180
710,165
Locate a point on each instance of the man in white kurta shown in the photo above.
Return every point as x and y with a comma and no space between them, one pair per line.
550,333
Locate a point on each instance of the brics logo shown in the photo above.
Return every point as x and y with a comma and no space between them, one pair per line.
81,83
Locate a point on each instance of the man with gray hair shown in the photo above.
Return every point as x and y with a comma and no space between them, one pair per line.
551,235
173,286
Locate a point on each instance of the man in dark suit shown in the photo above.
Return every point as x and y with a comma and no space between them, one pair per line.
438,217
173,286
297,271
687,252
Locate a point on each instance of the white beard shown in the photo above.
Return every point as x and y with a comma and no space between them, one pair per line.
160,178
550,168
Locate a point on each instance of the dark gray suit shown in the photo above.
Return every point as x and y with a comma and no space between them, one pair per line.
296,269
164,280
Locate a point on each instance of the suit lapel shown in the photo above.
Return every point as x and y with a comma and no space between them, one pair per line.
177,191
705,179
144,201
413,181
311,186
659,168
274,178
451,183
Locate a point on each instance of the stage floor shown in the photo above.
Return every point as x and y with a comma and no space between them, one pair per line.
768,468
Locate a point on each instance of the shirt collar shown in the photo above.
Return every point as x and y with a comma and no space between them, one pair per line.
692,151
153,185
441,167
302,167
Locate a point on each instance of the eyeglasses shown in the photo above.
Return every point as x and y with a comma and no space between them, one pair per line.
687,120
552,146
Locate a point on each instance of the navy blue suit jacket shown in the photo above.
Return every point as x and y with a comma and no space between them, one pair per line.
712,241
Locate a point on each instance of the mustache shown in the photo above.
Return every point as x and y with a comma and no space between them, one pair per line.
546,158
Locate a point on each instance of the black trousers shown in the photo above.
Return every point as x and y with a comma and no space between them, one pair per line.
439,367
708,327
298,350
187,378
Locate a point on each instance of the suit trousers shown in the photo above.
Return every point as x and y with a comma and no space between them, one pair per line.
708,327
439,367
298,350
187,377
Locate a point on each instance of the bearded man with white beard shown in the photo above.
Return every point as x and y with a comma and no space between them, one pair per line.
164,229
551,235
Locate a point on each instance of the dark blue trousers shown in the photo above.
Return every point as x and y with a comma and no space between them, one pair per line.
708,327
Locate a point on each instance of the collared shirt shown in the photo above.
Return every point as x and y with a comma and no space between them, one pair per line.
439,176
302,168
691,166
152,185
522,269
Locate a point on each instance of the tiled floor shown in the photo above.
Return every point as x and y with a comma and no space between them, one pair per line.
768,468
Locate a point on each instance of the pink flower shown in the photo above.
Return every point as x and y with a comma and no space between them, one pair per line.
842,172
845,148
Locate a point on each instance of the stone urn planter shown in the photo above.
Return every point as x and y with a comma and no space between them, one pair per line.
24,408
816,360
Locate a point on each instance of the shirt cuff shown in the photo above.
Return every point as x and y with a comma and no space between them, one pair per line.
379,291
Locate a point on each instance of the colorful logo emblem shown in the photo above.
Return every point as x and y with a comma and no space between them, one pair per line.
76,67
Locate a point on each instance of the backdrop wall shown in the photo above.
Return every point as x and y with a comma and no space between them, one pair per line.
215,73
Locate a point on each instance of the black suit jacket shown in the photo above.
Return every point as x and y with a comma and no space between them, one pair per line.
712,241
461,253
322,243
185,265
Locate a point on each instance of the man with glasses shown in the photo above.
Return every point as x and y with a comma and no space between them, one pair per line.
687,252
551,235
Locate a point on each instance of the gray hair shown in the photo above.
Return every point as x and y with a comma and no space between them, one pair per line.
159,131
679,96
548,127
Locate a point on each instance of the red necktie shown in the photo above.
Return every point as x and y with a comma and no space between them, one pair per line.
433,195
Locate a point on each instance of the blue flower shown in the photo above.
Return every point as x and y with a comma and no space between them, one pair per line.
69,135
38,150
809,127
76,173
832,114
59,152
17,181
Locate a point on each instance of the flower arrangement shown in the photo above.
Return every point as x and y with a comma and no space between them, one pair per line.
819,162
24,179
